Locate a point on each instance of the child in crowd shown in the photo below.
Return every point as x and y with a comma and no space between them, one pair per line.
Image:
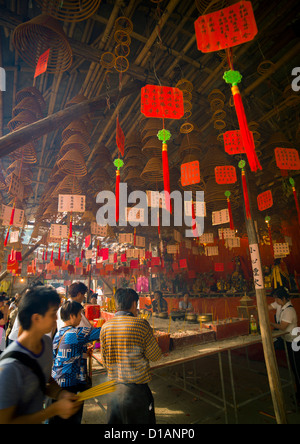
68,347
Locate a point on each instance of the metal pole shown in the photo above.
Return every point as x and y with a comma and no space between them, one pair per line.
265,328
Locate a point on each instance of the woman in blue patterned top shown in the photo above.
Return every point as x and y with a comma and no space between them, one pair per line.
68,347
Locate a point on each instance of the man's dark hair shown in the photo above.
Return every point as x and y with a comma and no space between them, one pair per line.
38,300
124,298
75,288
159,292
68,309
281,293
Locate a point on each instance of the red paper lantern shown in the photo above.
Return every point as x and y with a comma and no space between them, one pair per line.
287,158
233,142
225,28
162,102
190,173
225,174
265,200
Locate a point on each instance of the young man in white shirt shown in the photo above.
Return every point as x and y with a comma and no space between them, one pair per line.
287,322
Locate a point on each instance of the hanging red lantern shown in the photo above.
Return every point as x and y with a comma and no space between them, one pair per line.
287,158
190,173
225,174
265,200
234,77
225,28
233,142
162,102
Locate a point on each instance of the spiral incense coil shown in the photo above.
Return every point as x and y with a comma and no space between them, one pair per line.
71,11
24,118
73,163
29,104
121,64
26,153
219,124
31,92
133,178
133,153
76,127
264,67
216,105
124,24
68,185
132,164
152,148
185,85
220,114
76,142
153,171
216,94
122,37
206,6
31,39
186,128
122,50
108,60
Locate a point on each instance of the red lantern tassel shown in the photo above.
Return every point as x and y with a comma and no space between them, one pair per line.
246,196
6,238
51,258
194,225
166,174
12,216
297,203
134,237
230,214
245,133
59,254
68,246
158,224
117,195
46,255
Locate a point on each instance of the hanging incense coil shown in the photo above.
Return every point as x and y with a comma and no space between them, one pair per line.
219,124
73,163
29,104
33,38
26,177
2,181
124,24
122,50
133,141
185,85
76,142
132,164
153,171
69,185
277,140
187,128
151,128
31,92
133,153
76,127
133,178
21,120
152,148
121,64
26,153
108,60
122,37
264,67
70,11
207,6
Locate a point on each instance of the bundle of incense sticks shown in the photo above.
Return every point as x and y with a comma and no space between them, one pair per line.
98,390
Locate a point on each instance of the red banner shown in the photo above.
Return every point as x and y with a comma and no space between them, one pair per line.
162,101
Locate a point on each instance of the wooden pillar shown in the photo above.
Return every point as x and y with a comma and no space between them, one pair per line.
265,328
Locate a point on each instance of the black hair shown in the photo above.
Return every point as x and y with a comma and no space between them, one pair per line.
77,287
281,293
38,300
124,298
68,309
159,292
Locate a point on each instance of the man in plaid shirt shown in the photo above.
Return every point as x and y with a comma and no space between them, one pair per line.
127,346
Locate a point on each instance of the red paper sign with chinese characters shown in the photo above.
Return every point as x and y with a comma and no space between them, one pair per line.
162,102
265,200
225,28
190,173
120,138
225,174
233,143
42,63
219,267
287,158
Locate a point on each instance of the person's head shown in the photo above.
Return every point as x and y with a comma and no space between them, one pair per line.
77,291
93,299
157,295
71,313
186,296
281,295
2,301
38,308
126,299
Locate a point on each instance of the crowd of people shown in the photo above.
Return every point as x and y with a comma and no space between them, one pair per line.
43,361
